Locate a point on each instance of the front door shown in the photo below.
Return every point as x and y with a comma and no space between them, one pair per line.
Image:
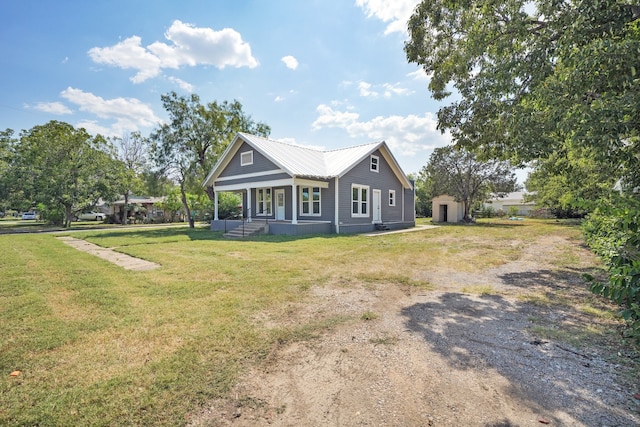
377,206
279,205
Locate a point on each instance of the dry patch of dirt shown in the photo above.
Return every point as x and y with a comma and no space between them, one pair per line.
442,357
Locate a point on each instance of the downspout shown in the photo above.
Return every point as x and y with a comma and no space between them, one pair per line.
336,191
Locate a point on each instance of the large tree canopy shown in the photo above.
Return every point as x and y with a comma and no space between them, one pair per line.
189,145
460,174
533,76
64,168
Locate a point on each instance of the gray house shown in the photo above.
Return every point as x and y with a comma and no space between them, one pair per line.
288,189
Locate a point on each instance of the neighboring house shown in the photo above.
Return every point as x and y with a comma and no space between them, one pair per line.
445,208
148,213
296,190
511,200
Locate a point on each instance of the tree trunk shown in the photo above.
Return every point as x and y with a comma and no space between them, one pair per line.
185,205
67,216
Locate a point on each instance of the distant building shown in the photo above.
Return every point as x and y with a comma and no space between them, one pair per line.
511,200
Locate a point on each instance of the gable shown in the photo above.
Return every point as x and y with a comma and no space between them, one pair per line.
259,163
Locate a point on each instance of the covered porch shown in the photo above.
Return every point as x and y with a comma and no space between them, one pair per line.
285,206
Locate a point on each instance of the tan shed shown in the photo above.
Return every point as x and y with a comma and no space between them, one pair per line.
447,209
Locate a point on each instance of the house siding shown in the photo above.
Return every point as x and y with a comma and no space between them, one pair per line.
327,204
383,180
260,163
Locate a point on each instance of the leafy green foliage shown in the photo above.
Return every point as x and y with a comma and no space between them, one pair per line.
459,173
63,168
188,146
614,234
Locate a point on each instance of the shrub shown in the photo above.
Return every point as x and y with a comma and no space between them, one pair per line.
613,232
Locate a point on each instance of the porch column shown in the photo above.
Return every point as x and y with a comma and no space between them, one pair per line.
294,204
215,206
249,208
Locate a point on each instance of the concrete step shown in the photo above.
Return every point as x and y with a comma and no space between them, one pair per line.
248,229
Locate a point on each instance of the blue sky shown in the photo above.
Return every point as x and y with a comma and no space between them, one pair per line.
321,73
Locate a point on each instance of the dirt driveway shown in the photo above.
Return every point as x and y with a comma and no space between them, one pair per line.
447,356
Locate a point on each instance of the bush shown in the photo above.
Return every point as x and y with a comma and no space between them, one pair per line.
613,232
513,211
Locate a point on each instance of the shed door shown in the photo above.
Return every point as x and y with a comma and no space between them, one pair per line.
377,206
280,205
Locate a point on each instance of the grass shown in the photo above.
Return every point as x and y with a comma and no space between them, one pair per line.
98,345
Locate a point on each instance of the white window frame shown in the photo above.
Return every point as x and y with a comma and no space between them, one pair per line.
243,158
358,212
392,197
264,201
374,164
311,201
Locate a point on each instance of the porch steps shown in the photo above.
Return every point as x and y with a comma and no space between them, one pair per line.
382,227
245,230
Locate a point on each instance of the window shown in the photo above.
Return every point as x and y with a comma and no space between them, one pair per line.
263,200
359,200
392,197
246,158
310,198
375,164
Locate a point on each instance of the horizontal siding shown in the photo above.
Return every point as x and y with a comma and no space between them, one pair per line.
260,163
383,180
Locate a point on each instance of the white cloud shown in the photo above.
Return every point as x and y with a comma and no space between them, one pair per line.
396,12
57,108
365,90
189,46
279,98
290,62
419,75
182,84
128,114
387,90
394,89
407,135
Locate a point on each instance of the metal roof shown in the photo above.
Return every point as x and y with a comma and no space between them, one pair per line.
307,162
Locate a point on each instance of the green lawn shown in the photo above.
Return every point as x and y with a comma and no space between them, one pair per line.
98,345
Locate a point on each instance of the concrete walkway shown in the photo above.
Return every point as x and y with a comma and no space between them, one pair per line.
404,230
123,260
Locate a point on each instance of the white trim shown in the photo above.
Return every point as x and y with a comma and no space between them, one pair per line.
266,203
310,201
360,188
392,192
376,193
336,191
294,202
250,175
377,163
276,192
311,183
244,162
215,206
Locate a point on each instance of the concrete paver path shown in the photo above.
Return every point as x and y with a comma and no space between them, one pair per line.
123,260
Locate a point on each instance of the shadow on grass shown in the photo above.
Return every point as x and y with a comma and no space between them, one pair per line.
490,333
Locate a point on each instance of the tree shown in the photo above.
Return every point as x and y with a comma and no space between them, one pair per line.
189,145
423,196
7,145
64,168
534,77
569,182
460,174
132,152
539,79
